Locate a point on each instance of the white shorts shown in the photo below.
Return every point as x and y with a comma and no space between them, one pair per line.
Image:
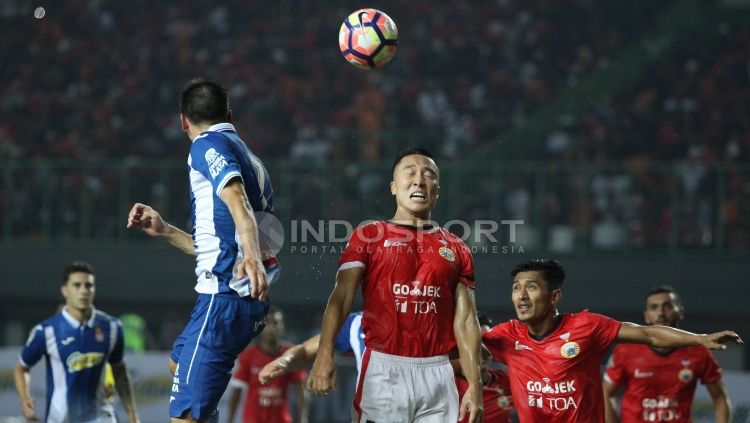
395,389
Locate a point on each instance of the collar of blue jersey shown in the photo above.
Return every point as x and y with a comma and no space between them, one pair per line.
74,322
224,126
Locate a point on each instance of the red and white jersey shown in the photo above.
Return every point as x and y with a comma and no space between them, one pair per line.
557,378
496,397
408,286
659,387
264,403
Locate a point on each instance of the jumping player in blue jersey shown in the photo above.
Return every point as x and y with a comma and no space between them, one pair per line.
350,339
233,266
76,343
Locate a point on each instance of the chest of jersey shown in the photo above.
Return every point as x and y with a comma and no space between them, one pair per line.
81,349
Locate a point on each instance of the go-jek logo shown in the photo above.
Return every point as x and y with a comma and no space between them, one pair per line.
416,290
78,361
538,390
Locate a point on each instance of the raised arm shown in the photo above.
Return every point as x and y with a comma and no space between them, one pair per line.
323,374
468,338
150,221
722,406
22,378
235,197
125,391
292,360
667,337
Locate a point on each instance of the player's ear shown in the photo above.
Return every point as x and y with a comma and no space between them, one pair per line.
393,188
556,296
184,123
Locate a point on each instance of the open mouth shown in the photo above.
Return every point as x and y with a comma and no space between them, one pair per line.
418,196
523,307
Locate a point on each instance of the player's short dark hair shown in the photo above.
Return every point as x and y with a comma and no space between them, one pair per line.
408,152
204,102
664,289
552,270
484,319
75,267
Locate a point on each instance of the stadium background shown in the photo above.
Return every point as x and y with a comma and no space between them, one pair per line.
617,132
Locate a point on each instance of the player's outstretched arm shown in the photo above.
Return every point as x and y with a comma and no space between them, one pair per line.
323,373
150,221
125,391
235,197
234,402
468,338
292,360
720,399
667,337
610,416
22,379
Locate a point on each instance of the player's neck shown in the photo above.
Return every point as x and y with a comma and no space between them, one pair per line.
82,316
545,326
404,217
195,130
269,346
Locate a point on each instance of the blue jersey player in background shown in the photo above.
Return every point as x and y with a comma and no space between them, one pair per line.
233,269
350,339
76,343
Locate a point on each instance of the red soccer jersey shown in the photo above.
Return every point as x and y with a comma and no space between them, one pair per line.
264,403
498,403
556,379
408,286
659,387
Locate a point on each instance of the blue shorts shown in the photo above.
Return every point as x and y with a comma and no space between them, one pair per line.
220,327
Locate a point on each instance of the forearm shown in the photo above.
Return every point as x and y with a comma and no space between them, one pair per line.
21,378
247,227
180,239
234,401
468,339
609,411
722,410
667,337
302,405
125,391
336,311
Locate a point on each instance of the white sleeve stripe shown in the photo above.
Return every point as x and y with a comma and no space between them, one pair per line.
608,379
237,383
226,180
352,265
23,363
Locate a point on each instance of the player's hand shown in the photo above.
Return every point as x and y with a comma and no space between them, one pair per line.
148,219
472,404
716,341
27,406
322,377
273,369
253,268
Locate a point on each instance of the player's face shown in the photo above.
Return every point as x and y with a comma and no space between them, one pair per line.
274,327
663,309
79,291
531,297
415,185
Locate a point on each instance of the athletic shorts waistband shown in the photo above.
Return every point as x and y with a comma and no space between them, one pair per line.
438,360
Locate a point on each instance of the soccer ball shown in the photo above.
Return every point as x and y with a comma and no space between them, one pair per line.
368,38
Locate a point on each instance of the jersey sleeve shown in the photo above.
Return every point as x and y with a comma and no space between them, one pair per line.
604,331
241,374
35,347
467,266
118,349
711,370
493,340
343,343
615,372
212,156
356,253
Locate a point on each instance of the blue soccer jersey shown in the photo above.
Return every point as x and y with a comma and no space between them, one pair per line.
75,354
217,156
351,338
